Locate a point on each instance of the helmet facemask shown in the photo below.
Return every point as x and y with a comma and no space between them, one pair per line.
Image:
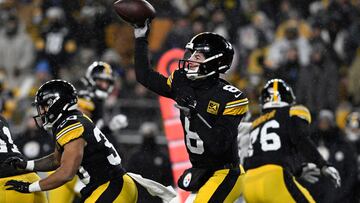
45,118
196,69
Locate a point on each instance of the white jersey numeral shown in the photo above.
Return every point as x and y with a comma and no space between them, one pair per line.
269,141
190,135
3,144
113,158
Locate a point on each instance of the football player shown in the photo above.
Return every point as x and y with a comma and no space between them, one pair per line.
9,149
276,137
210,111
98,84
81,148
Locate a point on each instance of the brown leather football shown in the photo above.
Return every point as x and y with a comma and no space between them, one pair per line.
134,11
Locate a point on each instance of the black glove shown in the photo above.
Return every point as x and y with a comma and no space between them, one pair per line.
19,186
185,99
16,162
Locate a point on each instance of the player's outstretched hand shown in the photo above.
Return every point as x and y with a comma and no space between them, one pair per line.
333,174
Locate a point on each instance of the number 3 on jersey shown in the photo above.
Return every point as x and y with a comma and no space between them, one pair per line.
268,141
113,158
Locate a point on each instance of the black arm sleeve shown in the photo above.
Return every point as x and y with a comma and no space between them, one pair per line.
301,139
145,74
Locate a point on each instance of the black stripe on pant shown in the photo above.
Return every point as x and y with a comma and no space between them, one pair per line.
226,186
295,192
112,191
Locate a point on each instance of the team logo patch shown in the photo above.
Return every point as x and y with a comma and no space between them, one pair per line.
187,180
213,107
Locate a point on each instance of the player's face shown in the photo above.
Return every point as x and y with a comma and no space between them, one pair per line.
195,59
102,84
43,109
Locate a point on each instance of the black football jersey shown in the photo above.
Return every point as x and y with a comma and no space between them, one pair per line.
220,106
225,105
7,149
101,162
273,137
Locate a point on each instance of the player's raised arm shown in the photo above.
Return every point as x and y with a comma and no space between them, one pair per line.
144,73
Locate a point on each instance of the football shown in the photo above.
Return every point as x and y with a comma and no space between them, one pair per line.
134,11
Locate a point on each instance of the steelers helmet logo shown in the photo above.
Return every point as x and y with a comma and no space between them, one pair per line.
187,180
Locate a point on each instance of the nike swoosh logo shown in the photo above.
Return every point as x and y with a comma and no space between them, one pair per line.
238,95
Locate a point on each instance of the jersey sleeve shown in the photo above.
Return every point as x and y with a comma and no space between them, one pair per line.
170,79
300,111
237,104
71,131
151,79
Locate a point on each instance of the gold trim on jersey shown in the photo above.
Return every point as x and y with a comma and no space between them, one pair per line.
85,104
237,103
169,80
263,118
300,111
213,107
69,133
237,107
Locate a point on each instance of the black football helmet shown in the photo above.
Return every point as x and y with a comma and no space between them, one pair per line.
100,70
52,99
218,54
276,93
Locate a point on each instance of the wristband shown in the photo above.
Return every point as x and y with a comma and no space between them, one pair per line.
35,187
30,165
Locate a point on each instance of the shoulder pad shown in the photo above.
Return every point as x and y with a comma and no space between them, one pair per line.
85,104
68,130
301,112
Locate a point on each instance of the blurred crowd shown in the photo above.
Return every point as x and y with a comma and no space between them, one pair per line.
312,45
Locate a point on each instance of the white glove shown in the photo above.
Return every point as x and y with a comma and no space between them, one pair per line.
310,173
332,173
142,31
118,122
